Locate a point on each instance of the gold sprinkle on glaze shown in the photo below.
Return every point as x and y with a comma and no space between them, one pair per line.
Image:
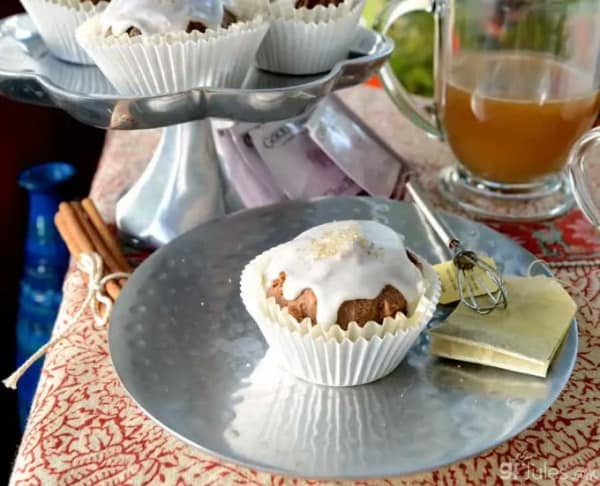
332,243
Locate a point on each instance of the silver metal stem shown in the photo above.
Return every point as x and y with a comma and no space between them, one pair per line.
180,188
426,208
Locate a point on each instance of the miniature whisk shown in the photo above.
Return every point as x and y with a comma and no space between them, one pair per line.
465,261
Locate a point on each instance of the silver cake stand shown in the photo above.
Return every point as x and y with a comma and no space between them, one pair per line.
183,184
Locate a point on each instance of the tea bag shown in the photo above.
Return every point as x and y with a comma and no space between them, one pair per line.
524,337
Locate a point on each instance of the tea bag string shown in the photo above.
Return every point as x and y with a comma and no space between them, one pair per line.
544,265
91,265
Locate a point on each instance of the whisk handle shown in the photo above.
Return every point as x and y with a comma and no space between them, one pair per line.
426,208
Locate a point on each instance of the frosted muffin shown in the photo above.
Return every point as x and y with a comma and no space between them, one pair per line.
153,47
342,303
58,20
365,256
307,36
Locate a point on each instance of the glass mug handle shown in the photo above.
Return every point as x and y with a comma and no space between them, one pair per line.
403,100
580,178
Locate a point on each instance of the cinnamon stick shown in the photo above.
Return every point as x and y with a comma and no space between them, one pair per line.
107,236
108,250
77,243
72,227
113,290
59,221
95,238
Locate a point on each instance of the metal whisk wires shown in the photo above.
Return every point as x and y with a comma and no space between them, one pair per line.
467,262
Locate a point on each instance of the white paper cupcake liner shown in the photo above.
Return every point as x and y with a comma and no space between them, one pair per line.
308,41
171,63
336,357
58,20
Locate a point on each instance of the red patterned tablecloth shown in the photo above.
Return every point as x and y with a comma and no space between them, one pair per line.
84,430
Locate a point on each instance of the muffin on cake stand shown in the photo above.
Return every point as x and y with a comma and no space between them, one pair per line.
183,184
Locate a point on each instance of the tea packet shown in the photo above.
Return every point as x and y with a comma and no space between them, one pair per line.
524,337
252,160
355,148
298,166
251,184
329,152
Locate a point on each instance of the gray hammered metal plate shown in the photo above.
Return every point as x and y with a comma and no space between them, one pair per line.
191,357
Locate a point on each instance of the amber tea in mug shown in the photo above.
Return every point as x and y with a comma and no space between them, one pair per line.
513,117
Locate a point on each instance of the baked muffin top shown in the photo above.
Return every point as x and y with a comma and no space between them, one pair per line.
342,262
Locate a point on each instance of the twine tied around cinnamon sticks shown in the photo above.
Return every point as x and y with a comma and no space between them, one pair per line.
98,302
95,251
84,231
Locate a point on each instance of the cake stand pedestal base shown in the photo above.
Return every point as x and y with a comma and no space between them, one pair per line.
180,188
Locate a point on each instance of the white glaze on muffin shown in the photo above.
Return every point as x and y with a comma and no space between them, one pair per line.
345,261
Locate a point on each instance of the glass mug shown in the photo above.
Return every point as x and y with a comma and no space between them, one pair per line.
585,179
516,85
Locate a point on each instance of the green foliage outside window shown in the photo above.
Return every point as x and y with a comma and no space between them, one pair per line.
412,59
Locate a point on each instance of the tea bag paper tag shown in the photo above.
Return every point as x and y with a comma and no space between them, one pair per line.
479,280
524,337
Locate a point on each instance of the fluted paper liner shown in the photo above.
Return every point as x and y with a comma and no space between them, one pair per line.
308,41
171,63
84,80
334,356
58,20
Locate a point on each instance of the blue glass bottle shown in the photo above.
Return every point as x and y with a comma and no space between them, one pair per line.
45,263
